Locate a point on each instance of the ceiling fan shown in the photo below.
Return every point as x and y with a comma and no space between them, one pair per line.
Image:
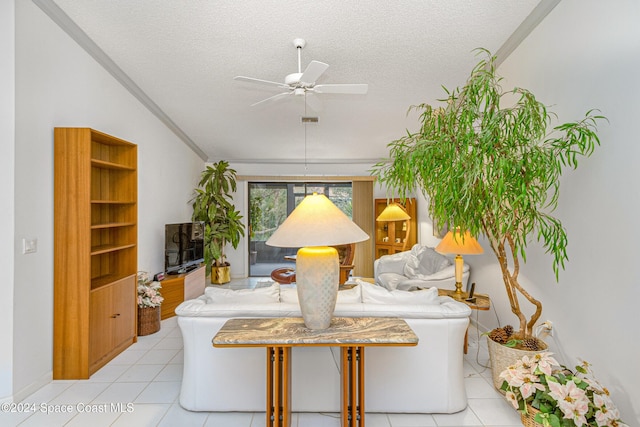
304,82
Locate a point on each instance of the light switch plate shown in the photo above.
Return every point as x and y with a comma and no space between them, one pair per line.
29,245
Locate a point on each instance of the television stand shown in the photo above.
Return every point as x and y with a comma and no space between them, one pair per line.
181,287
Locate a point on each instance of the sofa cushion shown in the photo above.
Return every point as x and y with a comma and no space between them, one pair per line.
264,295
373,294
289,294
424,261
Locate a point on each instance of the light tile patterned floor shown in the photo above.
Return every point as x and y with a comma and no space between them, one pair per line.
147,376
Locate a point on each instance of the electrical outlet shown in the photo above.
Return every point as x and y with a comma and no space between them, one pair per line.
29,245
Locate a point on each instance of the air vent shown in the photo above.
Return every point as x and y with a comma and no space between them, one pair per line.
309,119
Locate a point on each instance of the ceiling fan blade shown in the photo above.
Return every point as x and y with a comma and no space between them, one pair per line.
313,71
260,81
272,98
347,88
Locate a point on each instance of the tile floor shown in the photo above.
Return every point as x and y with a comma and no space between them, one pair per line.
145,381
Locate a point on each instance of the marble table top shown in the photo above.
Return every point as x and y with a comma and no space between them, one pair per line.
291,331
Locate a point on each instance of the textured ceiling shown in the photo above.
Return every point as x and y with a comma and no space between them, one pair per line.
183,56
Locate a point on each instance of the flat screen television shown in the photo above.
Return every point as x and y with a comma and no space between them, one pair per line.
183,247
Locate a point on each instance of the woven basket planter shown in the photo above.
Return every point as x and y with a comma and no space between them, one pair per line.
148,320
502,357
528,419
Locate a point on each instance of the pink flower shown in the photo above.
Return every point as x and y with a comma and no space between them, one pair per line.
513,376
546,363
572,401
531,383
511,397
605,409
526,363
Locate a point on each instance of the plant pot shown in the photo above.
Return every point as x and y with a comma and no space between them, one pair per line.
528,418
502,357
148,320
253,257
220,275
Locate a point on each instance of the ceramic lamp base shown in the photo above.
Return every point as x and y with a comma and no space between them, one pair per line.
317,277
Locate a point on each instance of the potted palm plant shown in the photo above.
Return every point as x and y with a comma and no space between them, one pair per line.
489,162
213,205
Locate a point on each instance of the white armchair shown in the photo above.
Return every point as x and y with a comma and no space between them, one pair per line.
421,267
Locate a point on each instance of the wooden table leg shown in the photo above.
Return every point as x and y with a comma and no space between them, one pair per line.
278,386
352,396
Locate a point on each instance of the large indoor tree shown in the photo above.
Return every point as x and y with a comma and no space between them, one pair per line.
489,162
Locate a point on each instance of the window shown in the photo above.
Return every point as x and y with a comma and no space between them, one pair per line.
269,205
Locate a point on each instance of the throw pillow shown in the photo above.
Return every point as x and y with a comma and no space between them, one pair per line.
265,295
379,295
424,261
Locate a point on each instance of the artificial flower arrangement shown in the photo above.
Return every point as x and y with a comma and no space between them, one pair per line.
564,398
148,291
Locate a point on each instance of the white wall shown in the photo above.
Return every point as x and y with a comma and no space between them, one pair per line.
7,156
59,84
586,54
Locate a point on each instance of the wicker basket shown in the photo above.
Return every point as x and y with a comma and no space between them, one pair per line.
148,320
528,419
502,357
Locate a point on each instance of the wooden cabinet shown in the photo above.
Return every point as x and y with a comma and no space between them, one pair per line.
111,321
95,250
391,235
176,289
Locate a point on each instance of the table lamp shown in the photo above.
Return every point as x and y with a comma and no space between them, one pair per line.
313,226
395,212
459,244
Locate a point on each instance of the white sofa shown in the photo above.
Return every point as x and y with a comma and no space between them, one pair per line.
427,378
420,267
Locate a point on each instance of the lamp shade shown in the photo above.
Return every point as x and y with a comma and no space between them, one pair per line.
459,243
316,221
393,212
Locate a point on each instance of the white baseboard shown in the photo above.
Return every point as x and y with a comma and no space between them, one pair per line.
27,391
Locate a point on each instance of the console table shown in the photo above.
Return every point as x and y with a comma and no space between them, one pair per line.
179,288
278,335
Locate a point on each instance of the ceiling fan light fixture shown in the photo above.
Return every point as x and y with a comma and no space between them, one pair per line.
304,82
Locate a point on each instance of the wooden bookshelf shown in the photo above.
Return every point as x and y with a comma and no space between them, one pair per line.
390,236
95,250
